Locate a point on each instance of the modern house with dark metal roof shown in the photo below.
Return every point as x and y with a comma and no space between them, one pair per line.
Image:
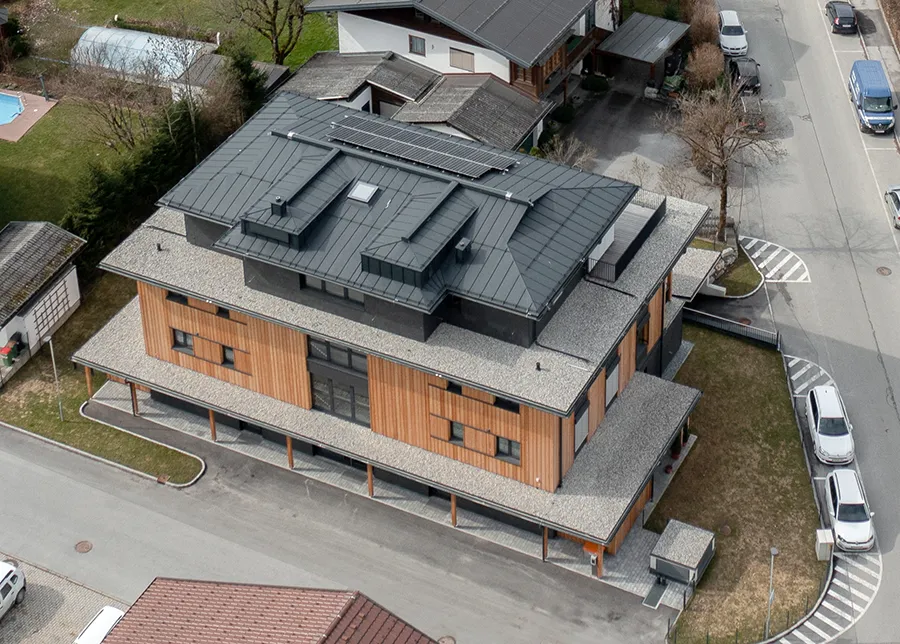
476,324
479,107
533,44
38,289
188,611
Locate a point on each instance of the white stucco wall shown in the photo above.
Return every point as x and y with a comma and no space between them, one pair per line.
604,17
69,282
443,128
357,103
357,34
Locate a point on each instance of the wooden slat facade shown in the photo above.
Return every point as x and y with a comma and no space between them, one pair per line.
597,402
268,358
656,318
633,516
627,357
568,443
416,408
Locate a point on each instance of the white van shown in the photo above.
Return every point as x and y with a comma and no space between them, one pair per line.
99,627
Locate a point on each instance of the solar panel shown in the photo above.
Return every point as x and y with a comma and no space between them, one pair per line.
405,143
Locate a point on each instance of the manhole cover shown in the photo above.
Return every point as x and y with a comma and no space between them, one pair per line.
725,530
745,320
883,270
447,640
83,546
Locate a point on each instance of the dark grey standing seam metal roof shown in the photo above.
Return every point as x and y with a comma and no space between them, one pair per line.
480,106
530,228
203,71
525,31
644,38
31,254
335,76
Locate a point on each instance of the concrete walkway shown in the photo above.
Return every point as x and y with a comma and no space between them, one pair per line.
628,570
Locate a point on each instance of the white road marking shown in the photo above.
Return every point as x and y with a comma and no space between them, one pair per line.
805,384
803,278
853,562
793,362
893,149
837,611
849,602
796,267
751,244
829,383
778,266
803,638
856,578
760,251
845,586
809,365
817,631
827,621
768,259
849,51
871,557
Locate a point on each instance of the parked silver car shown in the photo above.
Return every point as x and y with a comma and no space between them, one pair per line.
829,428
848,511
12,586
892,198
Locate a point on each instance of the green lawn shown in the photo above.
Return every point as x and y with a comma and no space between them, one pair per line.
650,7
746,471
29,399
742,278
39,172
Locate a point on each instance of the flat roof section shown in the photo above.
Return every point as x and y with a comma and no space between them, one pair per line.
692,271
644,38
608,474
682,543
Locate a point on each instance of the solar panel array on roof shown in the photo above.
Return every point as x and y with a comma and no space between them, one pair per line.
407,144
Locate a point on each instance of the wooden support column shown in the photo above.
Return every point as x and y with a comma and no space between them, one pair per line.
89,379
453,509
669,287
212,425
370,475
545,544
290,452
134,402
600,552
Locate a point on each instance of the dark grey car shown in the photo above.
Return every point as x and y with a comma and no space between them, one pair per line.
744,74
842,17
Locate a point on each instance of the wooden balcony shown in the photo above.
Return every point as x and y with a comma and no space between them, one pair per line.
541,80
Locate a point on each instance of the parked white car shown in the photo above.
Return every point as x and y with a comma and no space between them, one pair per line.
892,198
848,511
829,428
732,35
12,586
99,627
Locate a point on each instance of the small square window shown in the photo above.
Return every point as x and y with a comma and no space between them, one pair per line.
318,349
176,297
417,45
340,356
223,312
457,432
508,405
228,357
509,449
462,59
454,388
363,191
359,362
183,341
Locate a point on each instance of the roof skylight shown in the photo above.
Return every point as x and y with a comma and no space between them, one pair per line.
363,192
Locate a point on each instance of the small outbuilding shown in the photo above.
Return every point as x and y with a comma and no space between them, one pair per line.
204,70
643,39
683,552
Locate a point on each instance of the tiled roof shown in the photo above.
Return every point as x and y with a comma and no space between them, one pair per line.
31,254
184,611
525,31
480,106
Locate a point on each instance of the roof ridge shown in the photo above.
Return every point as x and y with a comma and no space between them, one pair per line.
354,597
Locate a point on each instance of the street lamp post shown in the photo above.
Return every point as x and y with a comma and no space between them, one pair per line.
773,552
55,377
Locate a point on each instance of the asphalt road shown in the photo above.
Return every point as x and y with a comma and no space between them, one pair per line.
248,521
823,201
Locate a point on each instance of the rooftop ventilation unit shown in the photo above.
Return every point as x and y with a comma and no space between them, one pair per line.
363,192
463,249
279,207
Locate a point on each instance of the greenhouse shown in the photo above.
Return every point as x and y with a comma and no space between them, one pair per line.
139,54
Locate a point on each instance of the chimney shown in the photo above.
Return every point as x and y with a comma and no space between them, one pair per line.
463,250
279,207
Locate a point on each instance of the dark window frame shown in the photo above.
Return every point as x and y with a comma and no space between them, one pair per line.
417,40
506,404
178,298
351,353
222,312
454,388
457,440
354,395
321,287
184,345
226,362
507,455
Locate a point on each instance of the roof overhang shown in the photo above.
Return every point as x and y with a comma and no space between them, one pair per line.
644,38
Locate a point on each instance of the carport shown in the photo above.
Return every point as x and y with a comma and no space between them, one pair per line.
644,39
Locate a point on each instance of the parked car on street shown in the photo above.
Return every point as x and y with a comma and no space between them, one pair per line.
848,511
12,586
732,35
892,197
828,426
842,17
744,74
100,626
870,92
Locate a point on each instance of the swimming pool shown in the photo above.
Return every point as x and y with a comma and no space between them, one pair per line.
10,108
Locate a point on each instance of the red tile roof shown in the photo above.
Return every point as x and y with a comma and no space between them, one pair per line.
184,611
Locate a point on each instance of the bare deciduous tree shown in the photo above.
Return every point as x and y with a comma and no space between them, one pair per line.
711,125
570,151
705,64
278,21
675,179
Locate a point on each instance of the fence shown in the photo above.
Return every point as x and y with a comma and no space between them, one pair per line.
763,336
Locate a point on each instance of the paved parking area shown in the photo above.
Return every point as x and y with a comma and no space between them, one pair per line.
55,609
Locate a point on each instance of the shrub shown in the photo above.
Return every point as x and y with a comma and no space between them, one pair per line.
686,9
564,113
545,138
705,65
594,83
671,11
704,23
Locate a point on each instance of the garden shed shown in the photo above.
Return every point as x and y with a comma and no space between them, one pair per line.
683,552
143,56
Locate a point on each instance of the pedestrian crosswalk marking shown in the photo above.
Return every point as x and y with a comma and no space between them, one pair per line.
837,611
816,630
777,266
793,270
809,365
833,593
776,263
826,621
803,638
841,584
768,259
760,251
856,578
853,562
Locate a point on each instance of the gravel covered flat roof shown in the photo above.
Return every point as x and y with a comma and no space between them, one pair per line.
682,544
597,492
691,271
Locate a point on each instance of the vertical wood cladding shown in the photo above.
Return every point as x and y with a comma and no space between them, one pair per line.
656,317
627,357
597,402
568,443
633,516
268,358
415,407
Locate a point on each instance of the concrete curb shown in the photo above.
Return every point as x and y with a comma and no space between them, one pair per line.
62,576
762,279
149,440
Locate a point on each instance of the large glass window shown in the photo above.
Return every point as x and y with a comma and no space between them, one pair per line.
509,450
340,399
337,355
334,290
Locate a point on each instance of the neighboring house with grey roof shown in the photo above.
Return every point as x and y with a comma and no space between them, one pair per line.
533,44
38,290
475,324
204,70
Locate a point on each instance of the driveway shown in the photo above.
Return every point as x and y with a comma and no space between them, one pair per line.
247,521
